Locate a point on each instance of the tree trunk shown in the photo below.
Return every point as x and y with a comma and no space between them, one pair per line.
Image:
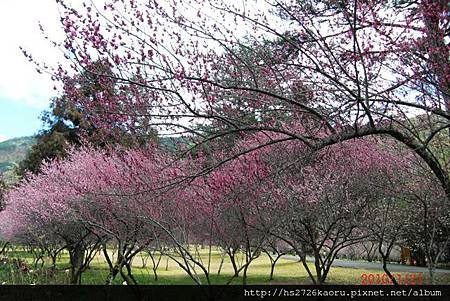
431,271
3,250
232,256
244,274
76,254
128,276
273,262
155,265
318,267
220,265
272,268
113,269
144,262
53,258
385,269
305,265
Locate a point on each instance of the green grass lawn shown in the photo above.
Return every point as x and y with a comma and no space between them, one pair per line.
286,272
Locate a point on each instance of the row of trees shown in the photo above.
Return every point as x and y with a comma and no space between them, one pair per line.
139,200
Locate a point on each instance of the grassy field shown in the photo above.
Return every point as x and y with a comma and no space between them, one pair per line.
286,272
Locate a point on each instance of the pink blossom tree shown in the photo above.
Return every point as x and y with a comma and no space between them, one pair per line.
326,200
131,200
428,227
231,198
347,69
37,213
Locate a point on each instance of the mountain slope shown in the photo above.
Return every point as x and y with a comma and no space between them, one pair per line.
13,151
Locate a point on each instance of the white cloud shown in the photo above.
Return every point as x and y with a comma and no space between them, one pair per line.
19,19
3,138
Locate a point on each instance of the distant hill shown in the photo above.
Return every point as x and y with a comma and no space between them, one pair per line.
13,151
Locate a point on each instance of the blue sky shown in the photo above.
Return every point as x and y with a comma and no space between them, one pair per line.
18,119
24,93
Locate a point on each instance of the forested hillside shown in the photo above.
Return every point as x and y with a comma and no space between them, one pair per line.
13,151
